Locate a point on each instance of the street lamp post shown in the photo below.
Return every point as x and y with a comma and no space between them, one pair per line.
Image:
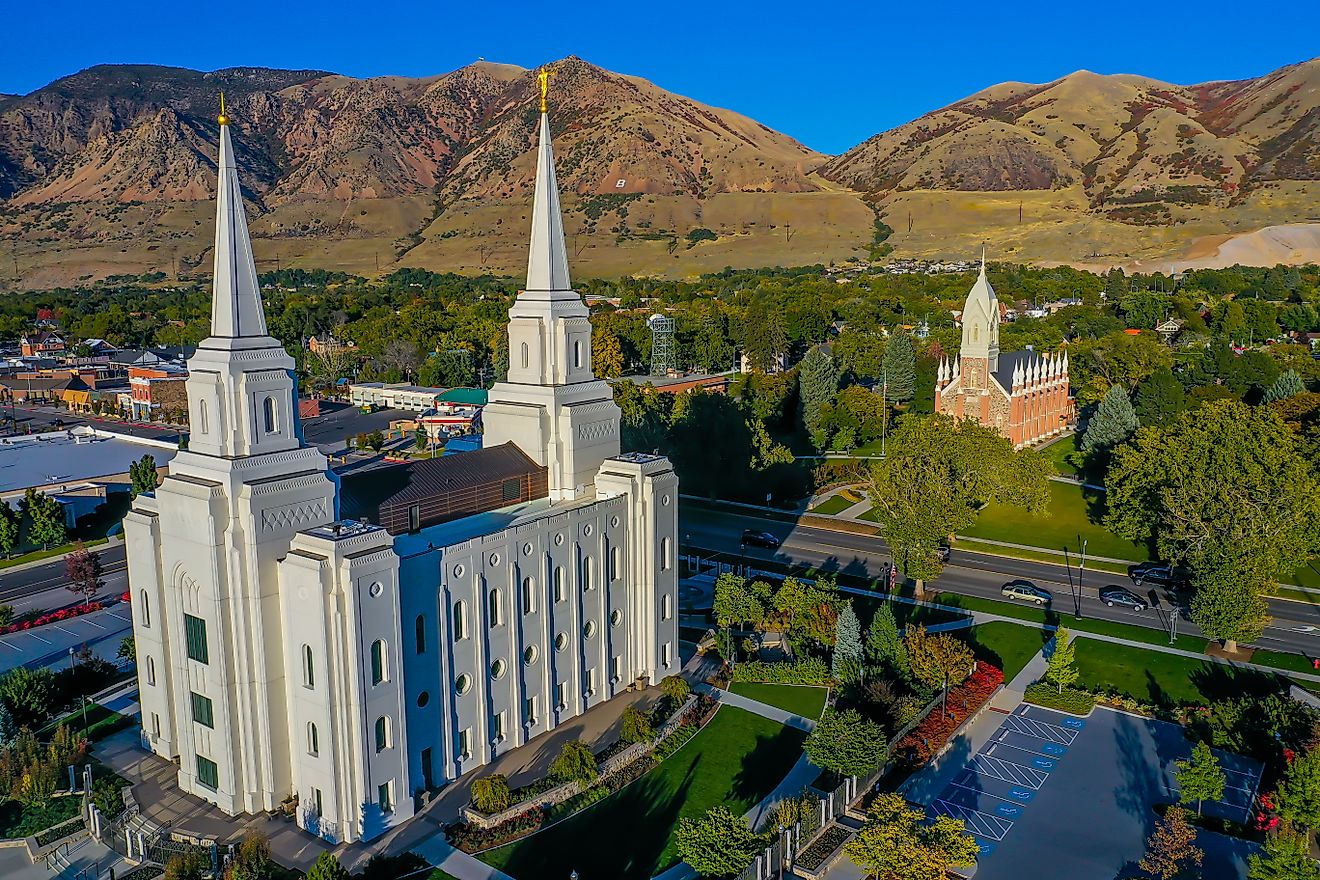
1081,570
82,698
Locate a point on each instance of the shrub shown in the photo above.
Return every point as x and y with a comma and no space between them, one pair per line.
676,688
809,670
490,794
636,726
1072,700
575,763
470,838
937,728
822,847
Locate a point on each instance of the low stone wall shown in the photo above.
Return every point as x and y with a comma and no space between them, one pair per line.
76,829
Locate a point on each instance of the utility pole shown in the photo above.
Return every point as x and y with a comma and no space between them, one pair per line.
1081,570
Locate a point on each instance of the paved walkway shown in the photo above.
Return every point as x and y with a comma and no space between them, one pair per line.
774,713
87,857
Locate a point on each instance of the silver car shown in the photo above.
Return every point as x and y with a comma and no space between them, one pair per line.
1025,591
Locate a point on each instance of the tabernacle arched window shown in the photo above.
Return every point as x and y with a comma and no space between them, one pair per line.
268,415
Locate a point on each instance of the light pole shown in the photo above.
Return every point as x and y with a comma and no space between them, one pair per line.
1081,570
82,698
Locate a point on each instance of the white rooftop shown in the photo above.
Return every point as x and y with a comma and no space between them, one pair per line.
58,458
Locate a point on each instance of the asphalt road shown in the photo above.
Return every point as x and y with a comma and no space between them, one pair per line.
1295,626
39,416
22,588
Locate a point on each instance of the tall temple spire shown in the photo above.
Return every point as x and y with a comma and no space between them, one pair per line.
547,261
236,299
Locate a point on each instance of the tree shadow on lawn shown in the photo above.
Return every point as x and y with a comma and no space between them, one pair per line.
622,837
769,760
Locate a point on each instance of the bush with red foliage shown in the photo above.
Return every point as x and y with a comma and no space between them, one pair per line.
51,617
126,596
931,734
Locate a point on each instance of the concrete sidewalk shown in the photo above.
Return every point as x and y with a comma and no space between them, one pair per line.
774,713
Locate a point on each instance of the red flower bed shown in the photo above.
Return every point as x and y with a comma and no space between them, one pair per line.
931,734
126,596
52,617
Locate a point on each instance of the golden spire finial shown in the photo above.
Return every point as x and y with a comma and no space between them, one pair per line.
223,119
543,80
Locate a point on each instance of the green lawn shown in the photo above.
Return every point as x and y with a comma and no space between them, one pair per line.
736,760
1057,453
904,612
800,699
1283,660
872,515
1163,679
1073,512
1306,575
1010,646
832,505
972,545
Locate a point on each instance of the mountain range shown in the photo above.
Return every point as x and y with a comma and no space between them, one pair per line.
111,170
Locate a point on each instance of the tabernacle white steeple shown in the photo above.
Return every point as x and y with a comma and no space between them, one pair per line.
547,258
236,300
980,321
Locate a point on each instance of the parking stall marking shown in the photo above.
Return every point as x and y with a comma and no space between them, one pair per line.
1034,748
1007,771
977,823
1039,729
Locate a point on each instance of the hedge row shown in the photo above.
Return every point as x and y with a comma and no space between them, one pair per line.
1072,700
935,730
809,670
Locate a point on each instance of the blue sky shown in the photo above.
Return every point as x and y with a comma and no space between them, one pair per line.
828,73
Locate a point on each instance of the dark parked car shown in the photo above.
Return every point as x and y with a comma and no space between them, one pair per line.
1162,573
1115,595
1026,591
944,551
759,539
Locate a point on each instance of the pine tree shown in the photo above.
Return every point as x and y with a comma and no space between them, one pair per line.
1171,848
9,520
847,664
8,730
1285,856
1061,670
884,645
1299,790
899,368
1199,778
1159,399
327,867
1287,385
1112,422
818,382
47,521
142,474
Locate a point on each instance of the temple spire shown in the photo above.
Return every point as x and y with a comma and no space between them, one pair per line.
547,260
236,297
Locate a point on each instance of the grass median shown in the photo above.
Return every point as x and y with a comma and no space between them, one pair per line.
800,699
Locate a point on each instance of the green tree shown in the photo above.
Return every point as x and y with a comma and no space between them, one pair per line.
818,382
490,794
1226,491
1199,778
193,864
376,440
1285,856
899,843
1299,790
45,520
575,763
848,654
1287,385
717,843
884,645
421,439
636,726
939,660
899,368
606,354
452,368
1171,848
1061,670
128,648
737,601
9,522
1159,399
251,860
30,695
327,867
845,742
937,475
143,475
1112,422
8,729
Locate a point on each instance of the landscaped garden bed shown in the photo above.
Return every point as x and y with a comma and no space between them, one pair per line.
823,849
735,760
928,737
1070,700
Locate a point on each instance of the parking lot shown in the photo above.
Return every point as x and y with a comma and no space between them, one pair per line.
1051,795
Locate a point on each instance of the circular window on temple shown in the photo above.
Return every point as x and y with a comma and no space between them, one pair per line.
494,559
614,522
458,570
586,530
497,669
376,589
559,539
527,549
530,655
664,500
589,630
422,699
561,642
462,684
616,617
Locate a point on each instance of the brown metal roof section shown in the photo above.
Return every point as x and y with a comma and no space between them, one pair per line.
425,493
